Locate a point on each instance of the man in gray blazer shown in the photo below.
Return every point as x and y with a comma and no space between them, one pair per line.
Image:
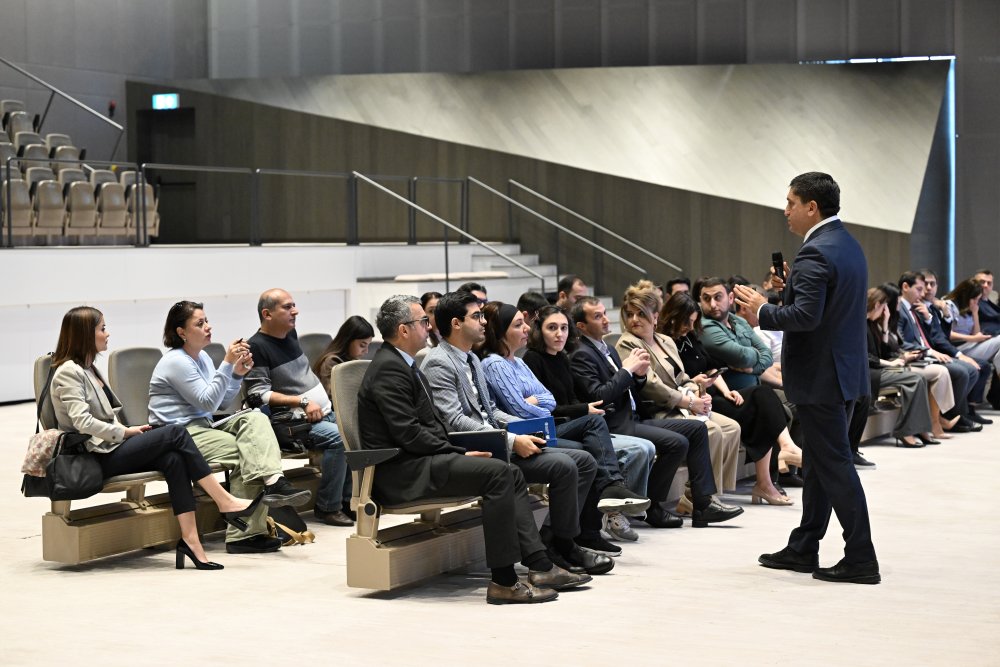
462,396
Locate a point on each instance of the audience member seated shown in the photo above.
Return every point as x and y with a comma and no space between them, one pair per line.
463,398
84,403
916,333
518,392
989,312
601,375
186,390
913,424
429,302
571,289
548,361
529,304
757,409
674,285
963,306
941,395
728,338
281,378
669,392
477,290
396,408
351,343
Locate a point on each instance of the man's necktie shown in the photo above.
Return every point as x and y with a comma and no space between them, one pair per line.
484,408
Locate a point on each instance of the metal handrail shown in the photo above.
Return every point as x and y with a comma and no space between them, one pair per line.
596,225
447,226
557,225
69,98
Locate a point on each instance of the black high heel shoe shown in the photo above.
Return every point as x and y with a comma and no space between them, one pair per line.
903,443
928,440
184,550
235,519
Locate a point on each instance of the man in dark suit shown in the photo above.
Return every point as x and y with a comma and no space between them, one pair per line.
395,409
825,369
600,374
989,312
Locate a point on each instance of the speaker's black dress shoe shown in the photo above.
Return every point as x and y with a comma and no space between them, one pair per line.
850,573
714,513
789,559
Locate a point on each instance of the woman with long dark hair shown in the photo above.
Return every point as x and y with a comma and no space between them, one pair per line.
84,403
351,343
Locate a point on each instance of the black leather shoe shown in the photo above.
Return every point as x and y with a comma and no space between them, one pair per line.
591,561
791,479
714,513
558,560
979,419
332,518
258,544
850,573
659,518
789,559
282,494
961,427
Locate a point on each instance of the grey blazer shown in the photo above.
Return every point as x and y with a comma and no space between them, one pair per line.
80,406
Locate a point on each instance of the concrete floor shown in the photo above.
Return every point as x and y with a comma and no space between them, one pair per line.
675,596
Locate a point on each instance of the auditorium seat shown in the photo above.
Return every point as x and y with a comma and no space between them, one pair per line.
32,154
71,175
313,344
7,107
6,152
129,372
611,339
19,121
20,204
53,140
37,174
24,139
134,212
373,347
70,154
81,209
128,178
112,217
48,207
217,352
101,176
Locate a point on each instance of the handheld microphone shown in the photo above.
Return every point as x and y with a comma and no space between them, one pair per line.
778,262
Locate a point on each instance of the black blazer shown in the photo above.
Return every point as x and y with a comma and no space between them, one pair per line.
595,381
395,410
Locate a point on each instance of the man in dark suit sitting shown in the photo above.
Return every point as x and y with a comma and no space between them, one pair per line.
989,312
601,375
395,409
825,368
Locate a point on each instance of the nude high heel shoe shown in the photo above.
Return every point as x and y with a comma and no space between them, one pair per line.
757,497
789,459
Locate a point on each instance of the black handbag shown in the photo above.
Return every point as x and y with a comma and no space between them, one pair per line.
294,434
73,473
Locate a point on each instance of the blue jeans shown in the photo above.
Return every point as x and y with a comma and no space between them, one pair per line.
334,485
635,458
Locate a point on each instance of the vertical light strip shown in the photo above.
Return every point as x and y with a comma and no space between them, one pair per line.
950,123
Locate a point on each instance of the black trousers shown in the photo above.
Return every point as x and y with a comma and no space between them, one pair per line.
170,451
761,418
508,524
831,483
963,381
570,476
676,440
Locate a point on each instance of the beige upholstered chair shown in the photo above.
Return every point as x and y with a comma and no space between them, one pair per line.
20,204
81,209
313,344
129,372
112,217
48,207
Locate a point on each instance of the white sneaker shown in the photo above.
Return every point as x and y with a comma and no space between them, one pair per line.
618,527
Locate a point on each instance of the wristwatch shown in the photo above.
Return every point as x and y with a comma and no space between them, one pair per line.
303,402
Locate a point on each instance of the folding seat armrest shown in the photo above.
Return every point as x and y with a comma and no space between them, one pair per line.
366,458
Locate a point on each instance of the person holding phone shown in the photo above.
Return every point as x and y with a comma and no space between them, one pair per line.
757,409
671,391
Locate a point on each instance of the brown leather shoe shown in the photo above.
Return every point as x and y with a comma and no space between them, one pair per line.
558,578
519,593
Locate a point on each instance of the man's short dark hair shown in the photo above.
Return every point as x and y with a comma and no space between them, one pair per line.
566,283
927,272
683,280
984,272
472,287
267,301
450,306
708,281
820,188
909,278
531,302
577,313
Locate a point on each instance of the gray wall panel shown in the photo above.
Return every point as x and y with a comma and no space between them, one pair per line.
674,32
578,35
489,42
721,31
822,29
625,33
927,27
533,36
400,46
873,28
771,31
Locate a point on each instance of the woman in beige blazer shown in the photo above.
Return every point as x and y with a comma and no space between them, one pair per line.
672,390
84,403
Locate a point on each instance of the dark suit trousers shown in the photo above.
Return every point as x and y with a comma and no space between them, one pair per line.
570,476
831,482
509,527
168,450
963,379
676,440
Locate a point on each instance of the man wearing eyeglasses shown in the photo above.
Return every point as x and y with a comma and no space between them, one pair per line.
283,379
462,397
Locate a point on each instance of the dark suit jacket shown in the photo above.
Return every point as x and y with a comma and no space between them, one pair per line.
824,355
934,330
595,381
934,334
394,410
